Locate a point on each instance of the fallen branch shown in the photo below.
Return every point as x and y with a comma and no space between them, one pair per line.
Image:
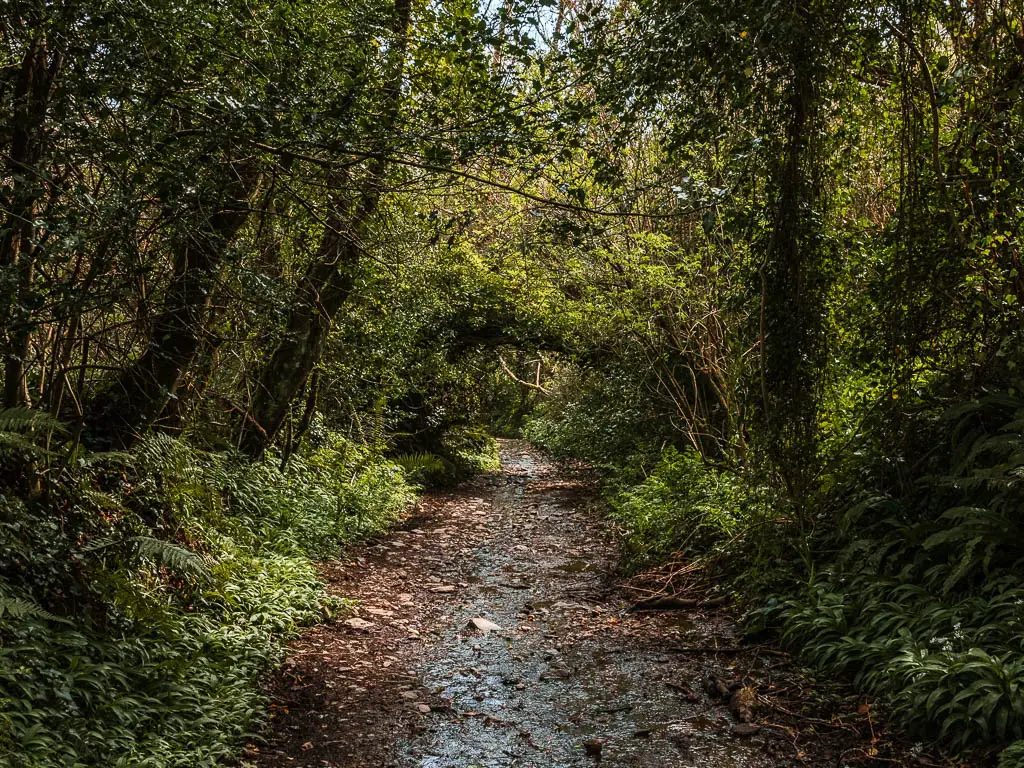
740,697
728,649
706,649
677,603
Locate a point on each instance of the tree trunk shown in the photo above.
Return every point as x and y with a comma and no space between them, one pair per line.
792,347
140,393
328,281
321,293
32,90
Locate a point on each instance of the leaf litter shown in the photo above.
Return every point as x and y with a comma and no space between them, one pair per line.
496,633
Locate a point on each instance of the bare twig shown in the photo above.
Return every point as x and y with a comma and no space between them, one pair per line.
508,372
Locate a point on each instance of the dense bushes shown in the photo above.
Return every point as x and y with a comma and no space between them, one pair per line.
144,593
839,266
682,508
925,603
175,692
603,418
951,667
459,454
914,593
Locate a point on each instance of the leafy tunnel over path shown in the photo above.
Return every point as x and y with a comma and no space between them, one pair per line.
269,270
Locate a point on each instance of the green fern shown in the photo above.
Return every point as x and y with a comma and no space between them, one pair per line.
176,558
15,443
21,420
18,608
92,459
21,429
1012,756
979,533
924,605
102,500
419,464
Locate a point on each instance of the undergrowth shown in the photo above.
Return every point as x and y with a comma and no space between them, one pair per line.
914,592
681,507
142,594
457,454
925,604
666,502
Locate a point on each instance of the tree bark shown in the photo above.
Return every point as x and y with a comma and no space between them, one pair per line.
140,393
328,281
320,294
792,355
32,92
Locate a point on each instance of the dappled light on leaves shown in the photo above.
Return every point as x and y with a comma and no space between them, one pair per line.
270,272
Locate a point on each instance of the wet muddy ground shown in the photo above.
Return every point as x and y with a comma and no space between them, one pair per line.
491,632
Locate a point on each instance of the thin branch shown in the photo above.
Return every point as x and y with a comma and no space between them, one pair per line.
508,372
932,96
425,166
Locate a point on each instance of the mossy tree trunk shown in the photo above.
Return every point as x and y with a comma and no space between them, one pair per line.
328,281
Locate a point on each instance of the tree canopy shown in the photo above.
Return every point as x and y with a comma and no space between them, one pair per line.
264,266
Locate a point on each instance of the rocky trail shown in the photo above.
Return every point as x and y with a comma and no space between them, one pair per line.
490,632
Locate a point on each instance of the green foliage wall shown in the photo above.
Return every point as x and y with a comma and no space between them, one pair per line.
742,255
823,304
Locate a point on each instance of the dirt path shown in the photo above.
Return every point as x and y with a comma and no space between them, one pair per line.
570,678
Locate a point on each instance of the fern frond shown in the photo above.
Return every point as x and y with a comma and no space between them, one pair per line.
424,462
177,558
172,556
159,450
12,441
102,500
18,608
91,459
22,420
